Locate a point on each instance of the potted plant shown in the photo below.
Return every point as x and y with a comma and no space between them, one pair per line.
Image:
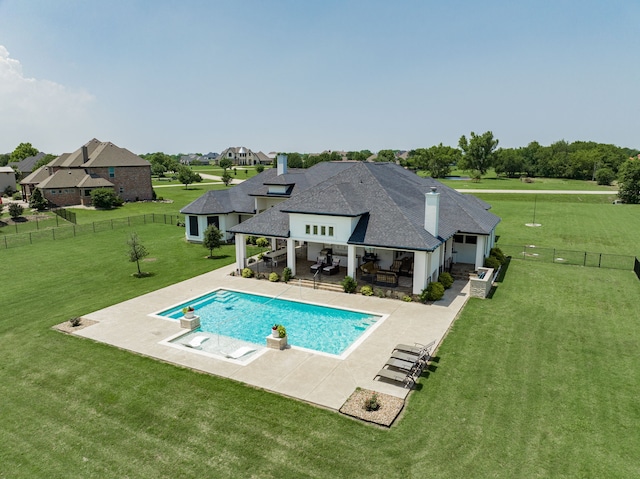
188,312
282,331
274,331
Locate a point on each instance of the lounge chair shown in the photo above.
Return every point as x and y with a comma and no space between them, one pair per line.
407,366
405,356
321,262
395,266
420,350
400,377
196,342
241,351
333,268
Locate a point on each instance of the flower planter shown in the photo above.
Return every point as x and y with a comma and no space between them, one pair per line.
189,314
275,333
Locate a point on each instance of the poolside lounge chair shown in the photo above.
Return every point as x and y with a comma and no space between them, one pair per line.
406,356
406,366
405,378
241,351
196,342
420,350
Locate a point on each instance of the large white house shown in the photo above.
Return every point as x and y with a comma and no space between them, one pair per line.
359,210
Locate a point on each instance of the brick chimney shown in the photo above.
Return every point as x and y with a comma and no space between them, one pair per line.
282,164
432,211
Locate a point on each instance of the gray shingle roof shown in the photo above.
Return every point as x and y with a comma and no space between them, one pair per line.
390,201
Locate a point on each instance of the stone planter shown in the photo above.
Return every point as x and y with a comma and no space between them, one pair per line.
190,323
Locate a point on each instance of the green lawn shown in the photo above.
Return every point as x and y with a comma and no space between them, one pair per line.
537,382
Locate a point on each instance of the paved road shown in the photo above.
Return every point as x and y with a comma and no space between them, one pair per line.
541,192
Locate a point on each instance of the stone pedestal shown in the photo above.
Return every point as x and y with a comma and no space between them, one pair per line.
190,323
276,343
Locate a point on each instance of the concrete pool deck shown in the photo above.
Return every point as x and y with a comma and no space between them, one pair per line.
315,378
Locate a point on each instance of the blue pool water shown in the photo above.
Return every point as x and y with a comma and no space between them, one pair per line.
249,317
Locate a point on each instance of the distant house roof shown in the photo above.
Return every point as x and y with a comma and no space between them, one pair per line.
73,178
96,154
26,165
6,169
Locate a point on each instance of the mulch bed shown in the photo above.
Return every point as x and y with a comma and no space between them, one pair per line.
390,407
67,328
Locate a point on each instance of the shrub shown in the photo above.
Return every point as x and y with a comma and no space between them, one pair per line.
366,291
251,240
446,279
262,242
247,273
604,176
274,277
75,322
15,210
407,299
259,168
349,284
497,252
371,403
286,274
492,262
104,198
380,293
433,292
17,196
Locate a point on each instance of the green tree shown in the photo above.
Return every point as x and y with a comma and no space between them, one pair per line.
22,151
186,176
226,178
437,160
629,181
15,210
137,251
37,200
212,239
477,152
225,163
386,155
104,198
604,176
4,159
260,168
509,162
158,169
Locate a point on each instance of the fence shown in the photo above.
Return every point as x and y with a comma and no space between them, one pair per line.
68,215
73,230
563,256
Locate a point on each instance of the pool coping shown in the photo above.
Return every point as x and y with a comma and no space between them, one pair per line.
298,373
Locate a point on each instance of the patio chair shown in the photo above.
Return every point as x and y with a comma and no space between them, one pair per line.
406,366
321,262
406,379
395,266
420,350
333,268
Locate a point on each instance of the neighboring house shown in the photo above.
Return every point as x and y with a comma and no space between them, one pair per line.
7,179
211,156
68,179
192,157
241,156
26,166
359,210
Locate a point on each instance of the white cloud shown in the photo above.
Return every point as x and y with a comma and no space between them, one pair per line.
52,117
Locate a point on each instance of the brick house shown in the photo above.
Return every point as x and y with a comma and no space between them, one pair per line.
69,179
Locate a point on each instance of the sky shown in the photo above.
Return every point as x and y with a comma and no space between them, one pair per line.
186,76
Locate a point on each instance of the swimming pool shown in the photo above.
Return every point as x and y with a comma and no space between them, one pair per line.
249,317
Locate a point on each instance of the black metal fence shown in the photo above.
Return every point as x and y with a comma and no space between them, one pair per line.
72,230
564,256
68,215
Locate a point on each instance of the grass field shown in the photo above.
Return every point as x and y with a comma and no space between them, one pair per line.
537,382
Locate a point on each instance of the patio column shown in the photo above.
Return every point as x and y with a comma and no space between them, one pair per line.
480,251
352,261
419,271
291,255
241,251
273,244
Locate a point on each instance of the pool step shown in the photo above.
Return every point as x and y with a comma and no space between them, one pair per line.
308,283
